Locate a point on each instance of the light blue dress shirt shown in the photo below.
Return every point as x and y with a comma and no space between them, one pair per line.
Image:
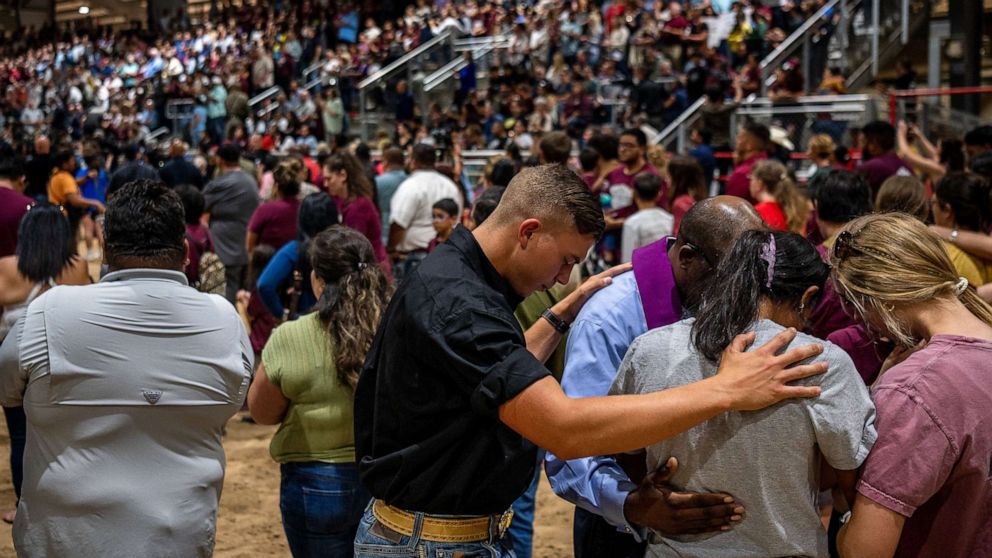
597,342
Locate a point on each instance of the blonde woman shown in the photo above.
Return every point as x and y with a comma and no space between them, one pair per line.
776,197
924,489
306,385
821,153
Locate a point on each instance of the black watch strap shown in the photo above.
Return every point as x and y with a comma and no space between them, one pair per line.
560,325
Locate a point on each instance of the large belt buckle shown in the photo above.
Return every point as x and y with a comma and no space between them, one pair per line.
504,522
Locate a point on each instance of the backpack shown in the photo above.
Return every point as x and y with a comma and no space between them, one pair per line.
212,278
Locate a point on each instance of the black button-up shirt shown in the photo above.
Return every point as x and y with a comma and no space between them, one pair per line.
447,354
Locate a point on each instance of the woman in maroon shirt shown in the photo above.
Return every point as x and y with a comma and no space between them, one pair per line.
347,183
274,222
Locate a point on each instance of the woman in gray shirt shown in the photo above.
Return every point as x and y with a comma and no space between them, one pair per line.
769,460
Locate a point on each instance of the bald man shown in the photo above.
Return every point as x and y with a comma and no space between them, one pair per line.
611,510
454,398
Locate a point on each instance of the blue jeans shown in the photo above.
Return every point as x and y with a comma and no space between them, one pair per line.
321,505
521,531
370,545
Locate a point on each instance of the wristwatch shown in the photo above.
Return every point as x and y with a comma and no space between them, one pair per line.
954,236
560,325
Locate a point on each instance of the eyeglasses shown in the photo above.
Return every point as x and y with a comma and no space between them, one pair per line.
623,145
696,248
844,247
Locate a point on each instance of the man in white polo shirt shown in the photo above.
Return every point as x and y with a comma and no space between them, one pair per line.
410,228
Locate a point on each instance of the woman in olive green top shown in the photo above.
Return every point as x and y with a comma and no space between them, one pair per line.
306,385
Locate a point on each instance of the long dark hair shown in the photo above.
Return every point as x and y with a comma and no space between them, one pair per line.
967,194
45,244
354,297
317,212
687,178
358,182
731,301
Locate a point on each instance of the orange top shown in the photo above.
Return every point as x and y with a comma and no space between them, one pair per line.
60,186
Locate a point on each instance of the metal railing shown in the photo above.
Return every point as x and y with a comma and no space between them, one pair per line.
417,60
799,120
806,37
929,109
857,35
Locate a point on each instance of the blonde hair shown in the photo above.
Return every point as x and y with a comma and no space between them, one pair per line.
776,178
903,193
894,261
658,158
822,146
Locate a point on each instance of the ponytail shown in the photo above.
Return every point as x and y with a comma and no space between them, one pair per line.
354,297
762,265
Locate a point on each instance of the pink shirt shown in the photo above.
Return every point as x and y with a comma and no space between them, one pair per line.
932,458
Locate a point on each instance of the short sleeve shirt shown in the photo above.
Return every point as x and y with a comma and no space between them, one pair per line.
60,186
275,222
932,459
621,185
784,442
447,354
319,424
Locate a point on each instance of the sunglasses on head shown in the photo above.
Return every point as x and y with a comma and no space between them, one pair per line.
844,247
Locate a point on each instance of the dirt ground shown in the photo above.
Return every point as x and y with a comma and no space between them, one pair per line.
248,523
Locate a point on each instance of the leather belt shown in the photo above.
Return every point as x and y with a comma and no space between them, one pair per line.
442,529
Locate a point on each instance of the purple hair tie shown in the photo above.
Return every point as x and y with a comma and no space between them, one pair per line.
768,254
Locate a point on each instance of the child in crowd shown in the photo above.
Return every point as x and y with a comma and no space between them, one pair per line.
776,197
650,222
444,214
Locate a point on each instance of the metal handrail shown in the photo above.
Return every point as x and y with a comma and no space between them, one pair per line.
401,62
678,122
267,94
445,72
472,43
792,42
157,133
480,48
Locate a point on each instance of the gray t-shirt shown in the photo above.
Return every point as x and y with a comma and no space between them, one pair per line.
230,200
769,460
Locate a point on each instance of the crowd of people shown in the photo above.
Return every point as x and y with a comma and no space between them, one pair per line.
701,353
353,285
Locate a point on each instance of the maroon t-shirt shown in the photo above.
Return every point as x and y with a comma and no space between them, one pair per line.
931,461
739,183
13,206
361,215
275,222
199,243
877,169
620,186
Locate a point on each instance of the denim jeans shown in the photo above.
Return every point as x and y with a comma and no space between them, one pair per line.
521,531
321,505
370,545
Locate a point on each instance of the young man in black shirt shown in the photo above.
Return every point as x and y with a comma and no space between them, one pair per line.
454,399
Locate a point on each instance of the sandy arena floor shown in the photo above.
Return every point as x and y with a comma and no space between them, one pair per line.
248,523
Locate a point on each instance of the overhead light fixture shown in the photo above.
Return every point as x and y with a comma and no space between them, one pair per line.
84,10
